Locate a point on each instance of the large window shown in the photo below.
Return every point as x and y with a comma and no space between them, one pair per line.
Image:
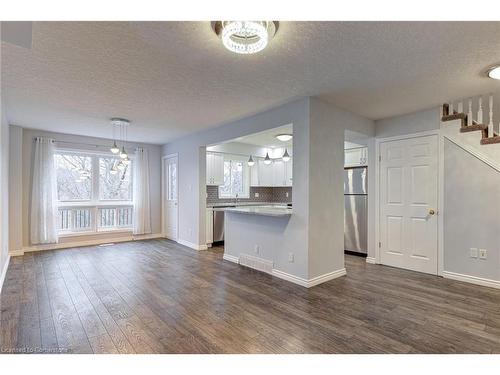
236,178
93,196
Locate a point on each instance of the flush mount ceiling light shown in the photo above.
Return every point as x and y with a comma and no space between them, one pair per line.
494,72
284,137
245,37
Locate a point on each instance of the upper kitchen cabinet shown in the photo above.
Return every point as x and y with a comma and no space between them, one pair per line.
355,157
276,174
279,173
215,169
265,172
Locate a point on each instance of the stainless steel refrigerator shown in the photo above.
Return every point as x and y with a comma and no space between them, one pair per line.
356,210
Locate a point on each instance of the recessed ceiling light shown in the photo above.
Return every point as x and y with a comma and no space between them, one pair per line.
284,137
245,37
494,72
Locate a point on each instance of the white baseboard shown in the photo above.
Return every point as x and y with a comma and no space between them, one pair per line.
192,245
308,283
472,279
231,258
16,253
94,242
4,272
371,260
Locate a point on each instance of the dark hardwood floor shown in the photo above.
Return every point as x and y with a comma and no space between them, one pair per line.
159,297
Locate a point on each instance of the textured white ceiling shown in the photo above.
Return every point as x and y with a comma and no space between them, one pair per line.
171,79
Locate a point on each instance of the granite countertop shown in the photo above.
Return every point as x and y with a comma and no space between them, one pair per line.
269,210
210,205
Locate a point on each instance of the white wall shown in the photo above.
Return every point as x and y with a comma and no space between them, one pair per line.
471,199
428,119
315,231
192,168
4,192
471,214
21,183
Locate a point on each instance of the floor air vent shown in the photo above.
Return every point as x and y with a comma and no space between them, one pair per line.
256,263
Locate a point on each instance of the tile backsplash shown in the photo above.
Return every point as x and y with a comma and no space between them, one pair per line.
266,194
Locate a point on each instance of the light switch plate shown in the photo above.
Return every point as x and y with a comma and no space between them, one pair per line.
290,257
473,252
257,195
256,248
483,253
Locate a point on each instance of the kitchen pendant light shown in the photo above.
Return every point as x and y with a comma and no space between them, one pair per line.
120,166
267,159
285,156
126,161
250,162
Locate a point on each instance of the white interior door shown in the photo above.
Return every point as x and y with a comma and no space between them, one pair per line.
408,203
171,207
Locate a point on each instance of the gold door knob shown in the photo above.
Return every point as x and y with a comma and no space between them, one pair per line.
431,212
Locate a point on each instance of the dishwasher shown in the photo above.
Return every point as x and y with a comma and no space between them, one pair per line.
219,225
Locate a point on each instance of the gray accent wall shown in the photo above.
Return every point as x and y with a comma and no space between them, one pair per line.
471,213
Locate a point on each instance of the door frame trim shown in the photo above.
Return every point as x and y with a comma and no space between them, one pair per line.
163,187
440,192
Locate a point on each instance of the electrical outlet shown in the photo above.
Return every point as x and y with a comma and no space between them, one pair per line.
256,248
290,257
483,253
257,195
286,194
473,252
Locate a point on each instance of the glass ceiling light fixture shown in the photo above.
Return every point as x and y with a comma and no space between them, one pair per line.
122,125
245,37
267,159
114,169
284,137
286,156
250,162
494,72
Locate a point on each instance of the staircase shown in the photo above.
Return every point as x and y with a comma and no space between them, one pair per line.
469,130
488,134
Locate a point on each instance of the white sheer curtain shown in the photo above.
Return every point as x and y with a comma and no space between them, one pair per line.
142,214
43,193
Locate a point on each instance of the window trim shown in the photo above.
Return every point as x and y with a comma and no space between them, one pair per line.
95,203
245,174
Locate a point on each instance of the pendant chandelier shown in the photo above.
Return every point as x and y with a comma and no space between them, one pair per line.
120,126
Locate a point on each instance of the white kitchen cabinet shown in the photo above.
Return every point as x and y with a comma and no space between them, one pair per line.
265,172
289,172
279,178
355,157
210,226
254,174
215,169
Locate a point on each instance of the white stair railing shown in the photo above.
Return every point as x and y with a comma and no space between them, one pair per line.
493,127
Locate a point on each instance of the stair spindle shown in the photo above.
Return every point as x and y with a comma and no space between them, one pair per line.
480,111
491,133
469,114
460,107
